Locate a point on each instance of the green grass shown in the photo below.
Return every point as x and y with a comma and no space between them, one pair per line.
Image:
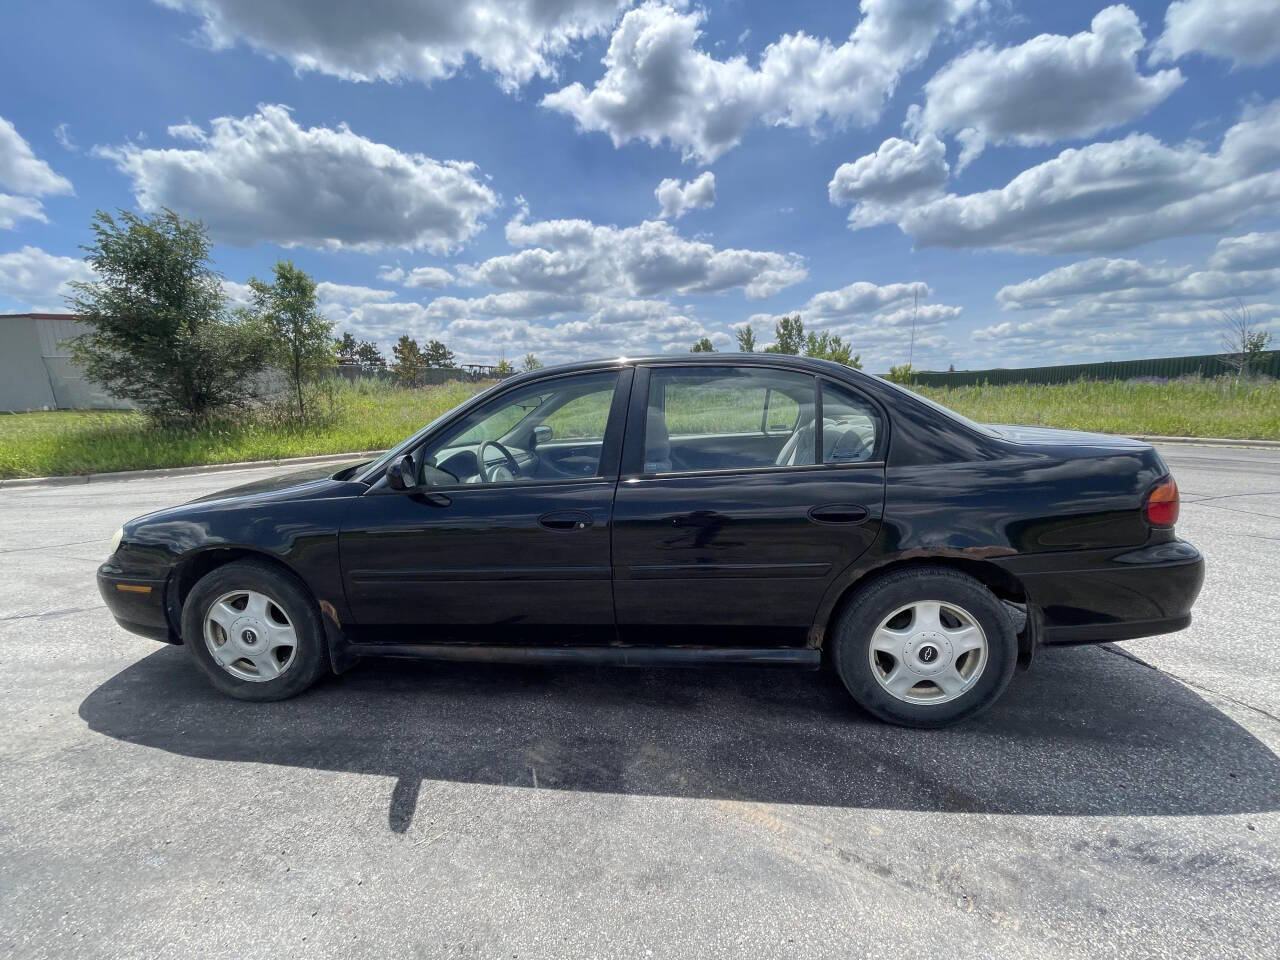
364,416
1180,408
372,416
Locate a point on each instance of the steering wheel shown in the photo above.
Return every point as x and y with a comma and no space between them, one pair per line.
508,465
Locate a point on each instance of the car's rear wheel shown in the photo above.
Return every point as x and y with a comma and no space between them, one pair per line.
925,647
254,629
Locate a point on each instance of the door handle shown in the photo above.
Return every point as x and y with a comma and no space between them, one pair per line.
566,520
839,513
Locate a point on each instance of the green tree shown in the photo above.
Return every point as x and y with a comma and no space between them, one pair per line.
829,346
788,334
747,339
531,362
703,346
437,354
407,361
299,335
903,374
369,356
1244,344
505,368
159,331
346,347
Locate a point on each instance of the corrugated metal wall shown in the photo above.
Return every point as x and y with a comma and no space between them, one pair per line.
36,372
1208,365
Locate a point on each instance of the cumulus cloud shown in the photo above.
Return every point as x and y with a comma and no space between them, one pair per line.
1048,89
899,172
1247,32
24,173
1112,195
659,87
578,257
677,198
433,277
37,280
265,178
422,40
1094,276
13,209
1253,251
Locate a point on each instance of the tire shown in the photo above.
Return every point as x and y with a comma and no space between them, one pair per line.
264,641
949,672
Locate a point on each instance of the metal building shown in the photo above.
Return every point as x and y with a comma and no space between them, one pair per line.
36,372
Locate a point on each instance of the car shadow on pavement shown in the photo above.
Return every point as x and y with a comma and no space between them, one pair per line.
1085,732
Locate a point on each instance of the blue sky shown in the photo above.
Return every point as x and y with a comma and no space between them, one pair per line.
1057,182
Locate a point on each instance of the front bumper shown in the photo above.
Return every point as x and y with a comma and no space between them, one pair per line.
138,605
1093,596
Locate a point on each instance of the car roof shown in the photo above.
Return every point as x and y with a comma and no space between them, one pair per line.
807,364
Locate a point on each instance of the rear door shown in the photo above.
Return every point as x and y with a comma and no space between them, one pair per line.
734,511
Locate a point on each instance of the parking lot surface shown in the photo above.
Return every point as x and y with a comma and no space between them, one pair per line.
1120,801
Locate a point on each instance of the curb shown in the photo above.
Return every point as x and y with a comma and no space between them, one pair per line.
366,454
189,471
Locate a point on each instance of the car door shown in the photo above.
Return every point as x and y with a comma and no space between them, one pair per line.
504,545
731,519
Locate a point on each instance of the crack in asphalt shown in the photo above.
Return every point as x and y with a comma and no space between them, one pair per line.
1125,654
54,546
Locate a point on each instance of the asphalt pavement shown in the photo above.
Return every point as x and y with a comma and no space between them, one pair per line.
1120,801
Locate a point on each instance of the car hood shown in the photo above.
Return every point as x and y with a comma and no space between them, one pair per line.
315,481
1051,436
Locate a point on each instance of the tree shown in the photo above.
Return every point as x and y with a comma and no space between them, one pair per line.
505,368
1243,343
369,356
789,336
300,337
159,331
531,362
901,374
346,347
747,339
408,361
703,346
829,346
437,355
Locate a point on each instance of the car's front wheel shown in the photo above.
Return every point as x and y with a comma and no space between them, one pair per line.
255,631
925,647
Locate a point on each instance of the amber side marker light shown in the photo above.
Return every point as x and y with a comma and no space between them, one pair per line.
133,588
1162,504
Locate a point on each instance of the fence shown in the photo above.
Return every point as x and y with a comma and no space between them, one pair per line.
1208,365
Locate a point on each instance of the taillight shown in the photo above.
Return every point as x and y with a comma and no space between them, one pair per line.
1162,504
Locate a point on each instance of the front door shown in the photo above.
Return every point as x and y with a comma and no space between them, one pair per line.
735,512
510,541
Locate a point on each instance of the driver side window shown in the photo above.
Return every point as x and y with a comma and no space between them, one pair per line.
549,430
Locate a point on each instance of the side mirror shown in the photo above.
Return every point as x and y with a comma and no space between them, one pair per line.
541,434
402,475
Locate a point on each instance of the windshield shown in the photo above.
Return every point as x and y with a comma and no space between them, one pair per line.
947,411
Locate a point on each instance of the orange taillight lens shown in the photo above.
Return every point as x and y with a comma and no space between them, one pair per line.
1162,504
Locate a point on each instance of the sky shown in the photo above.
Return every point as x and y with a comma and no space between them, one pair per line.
1023,183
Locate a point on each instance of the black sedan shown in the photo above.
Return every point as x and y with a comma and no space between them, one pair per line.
689,510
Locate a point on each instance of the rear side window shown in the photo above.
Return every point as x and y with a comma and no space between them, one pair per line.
724,418
851,425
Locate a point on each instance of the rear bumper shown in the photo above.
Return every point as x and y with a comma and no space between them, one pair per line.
136,604
1099,596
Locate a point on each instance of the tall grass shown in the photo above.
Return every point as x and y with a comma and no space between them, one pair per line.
369,415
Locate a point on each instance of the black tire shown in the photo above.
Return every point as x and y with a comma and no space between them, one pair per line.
311,657
871,604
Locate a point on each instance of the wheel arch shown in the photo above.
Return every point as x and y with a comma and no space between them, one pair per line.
1004,585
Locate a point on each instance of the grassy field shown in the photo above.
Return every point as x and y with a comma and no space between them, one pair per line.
372,416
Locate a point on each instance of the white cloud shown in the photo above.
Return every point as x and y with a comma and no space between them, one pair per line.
421,40
350,294
899,172
1048,89
1253,251
38,280
677,198
1246,32
22,171
658,86
1094,276
13,209
577,257
433,277
1112,195
264,178
62,133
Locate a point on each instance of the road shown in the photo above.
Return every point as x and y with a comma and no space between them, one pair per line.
1119,801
